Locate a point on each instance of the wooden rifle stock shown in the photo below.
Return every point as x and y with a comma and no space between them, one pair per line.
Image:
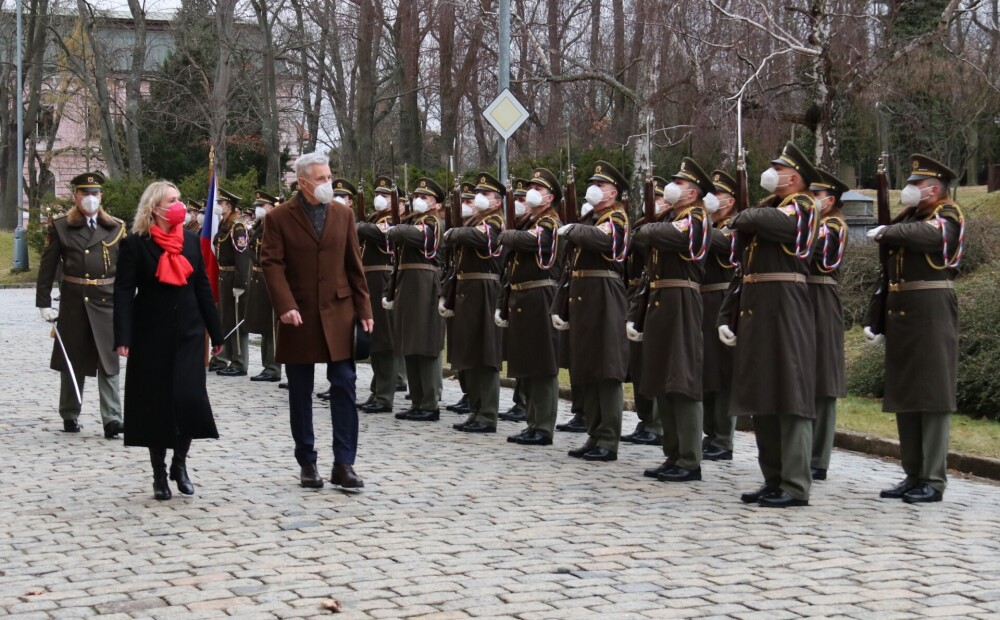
450,289
359,203
742,204
390,291
881,296
648,216
562,291
510,217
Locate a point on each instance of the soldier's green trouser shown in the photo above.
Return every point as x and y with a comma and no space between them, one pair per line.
271,367
542,402
720,427
824,431
649,417
239,361
784,444
107,388
400,370
423,373
384,376
923,447
483,383
602,407
681,418
518,398
577,398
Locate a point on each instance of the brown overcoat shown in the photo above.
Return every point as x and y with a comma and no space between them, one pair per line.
828,310
718,358
321,277
418,329
376,256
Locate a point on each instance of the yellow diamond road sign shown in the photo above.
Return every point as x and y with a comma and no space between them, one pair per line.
506,114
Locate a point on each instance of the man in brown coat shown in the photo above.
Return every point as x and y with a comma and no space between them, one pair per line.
85,242
312,267
921,327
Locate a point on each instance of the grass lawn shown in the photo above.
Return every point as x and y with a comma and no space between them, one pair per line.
7,259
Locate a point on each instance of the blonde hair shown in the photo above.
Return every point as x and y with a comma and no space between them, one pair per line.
151,197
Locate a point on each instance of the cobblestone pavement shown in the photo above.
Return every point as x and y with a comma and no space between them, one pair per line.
449,525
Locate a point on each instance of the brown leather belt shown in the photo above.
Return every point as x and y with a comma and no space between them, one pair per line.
479,276
258,269
674,283
227,268
417,266
371,268
921,285
758,278
821,280
711,288
530,284
88,281
594,273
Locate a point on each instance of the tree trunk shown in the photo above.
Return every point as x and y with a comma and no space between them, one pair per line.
133,90
219,96
410,140
103,98
270,130
368,31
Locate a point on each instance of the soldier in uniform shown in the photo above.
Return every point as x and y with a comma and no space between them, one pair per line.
477,346
191,217
231,244
676,245
649,430
925,244
468,195
417,328
518,411
85,242
776,353
717,375
260,313
597,310
824,277
532,342
376,256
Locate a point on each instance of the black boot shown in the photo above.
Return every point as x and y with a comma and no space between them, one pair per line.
158,457
178,467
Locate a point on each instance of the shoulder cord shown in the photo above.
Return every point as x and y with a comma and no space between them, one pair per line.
842,243
803,252
432,253
734,260
542,263
619,258
489,241
955,261
705,232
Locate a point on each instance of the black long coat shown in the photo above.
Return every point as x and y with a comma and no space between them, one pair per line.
164,328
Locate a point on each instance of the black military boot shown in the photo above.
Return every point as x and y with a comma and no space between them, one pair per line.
158,457
178,467
576,425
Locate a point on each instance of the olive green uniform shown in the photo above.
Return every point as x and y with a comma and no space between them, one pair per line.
231,244
260,317
376,256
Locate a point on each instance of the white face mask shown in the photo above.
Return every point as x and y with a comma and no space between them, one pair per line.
217,210
187,217
420,205
259,213
201,218
672,193
661,206
770,180
594,195
520,208
89,204
587,208
481,202
466,209
381,203
711,203
534,198
324,193
911,195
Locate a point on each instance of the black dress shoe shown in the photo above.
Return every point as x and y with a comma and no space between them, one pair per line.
231,372
401,387
323,395
513,438
644,438
576,425
71,426
402,415
514,414
753,497
578,453
265,376
462,406
112,429
161,488
376,408
780,499
654,472
283,385
424,415
715,453
534,438
217,367
921,494
309,477
360,404
817,473
898,491
679,474
343,476
478,427
179,474
600,454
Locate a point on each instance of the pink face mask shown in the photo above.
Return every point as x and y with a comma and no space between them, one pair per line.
174,214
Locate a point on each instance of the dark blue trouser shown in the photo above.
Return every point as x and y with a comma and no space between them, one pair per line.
343,413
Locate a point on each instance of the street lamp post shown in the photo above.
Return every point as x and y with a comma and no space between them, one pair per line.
20,243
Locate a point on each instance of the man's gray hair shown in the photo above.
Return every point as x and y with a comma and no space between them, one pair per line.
306,160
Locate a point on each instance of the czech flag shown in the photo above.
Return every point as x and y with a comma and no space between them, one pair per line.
208,231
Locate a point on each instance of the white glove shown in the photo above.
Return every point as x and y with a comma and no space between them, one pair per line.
443,310
875,232
496,319
565,228
630,331
48,314
386,304
237,292
871,337
559,324
727,336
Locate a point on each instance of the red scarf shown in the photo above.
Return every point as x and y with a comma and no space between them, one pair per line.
173,268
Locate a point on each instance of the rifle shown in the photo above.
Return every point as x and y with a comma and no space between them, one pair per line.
879,300
510,216
562,290
390,289
454,212
742,204
359,204
649,215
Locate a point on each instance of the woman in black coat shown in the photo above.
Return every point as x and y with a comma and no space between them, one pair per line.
163,306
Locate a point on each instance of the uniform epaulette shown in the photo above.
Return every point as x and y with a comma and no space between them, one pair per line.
494,219
618,216
804,200
696,211
949,210
58,217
